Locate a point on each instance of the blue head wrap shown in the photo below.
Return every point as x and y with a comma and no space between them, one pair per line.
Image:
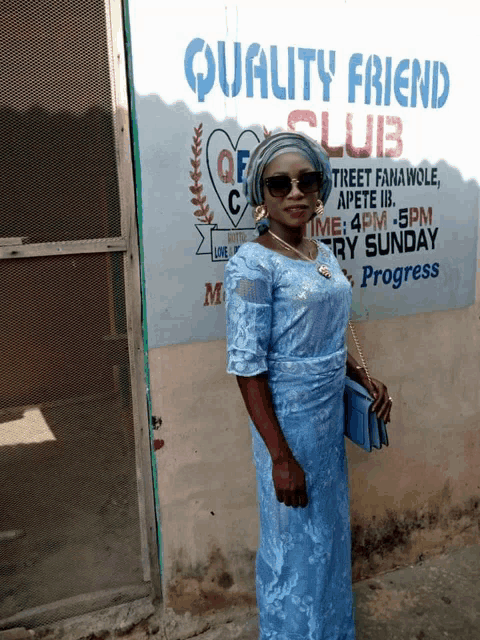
274,146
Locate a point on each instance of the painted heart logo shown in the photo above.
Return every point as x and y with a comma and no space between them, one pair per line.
226,163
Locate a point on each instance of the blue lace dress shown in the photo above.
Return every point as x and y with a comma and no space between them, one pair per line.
286,319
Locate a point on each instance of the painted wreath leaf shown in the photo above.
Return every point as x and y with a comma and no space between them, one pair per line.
199,201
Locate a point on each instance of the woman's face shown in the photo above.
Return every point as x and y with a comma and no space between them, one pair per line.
296,208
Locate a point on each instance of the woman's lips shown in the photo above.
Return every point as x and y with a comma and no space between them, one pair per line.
296,212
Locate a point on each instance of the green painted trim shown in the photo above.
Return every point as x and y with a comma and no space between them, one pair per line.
139,212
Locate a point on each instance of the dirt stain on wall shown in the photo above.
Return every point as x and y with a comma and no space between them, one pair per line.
378,545
400,539
210,586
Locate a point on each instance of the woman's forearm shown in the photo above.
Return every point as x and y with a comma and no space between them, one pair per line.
258,400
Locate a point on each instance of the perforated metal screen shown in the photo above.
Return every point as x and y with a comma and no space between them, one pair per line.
69,517
58,177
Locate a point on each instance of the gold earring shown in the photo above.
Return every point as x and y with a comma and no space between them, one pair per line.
260,213
319,209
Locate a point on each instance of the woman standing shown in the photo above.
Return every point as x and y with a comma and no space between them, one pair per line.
288,304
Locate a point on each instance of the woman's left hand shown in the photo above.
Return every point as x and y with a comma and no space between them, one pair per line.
382,404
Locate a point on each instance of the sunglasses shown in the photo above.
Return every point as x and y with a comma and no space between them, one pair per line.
280,186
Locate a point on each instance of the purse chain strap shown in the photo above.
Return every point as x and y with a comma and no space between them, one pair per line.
359,349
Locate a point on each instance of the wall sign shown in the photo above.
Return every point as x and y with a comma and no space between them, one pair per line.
402,218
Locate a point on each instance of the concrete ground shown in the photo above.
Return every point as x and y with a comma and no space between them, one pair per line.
435,599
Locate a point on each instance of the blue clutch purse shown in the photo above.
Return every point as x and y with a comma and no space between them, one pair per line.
362,425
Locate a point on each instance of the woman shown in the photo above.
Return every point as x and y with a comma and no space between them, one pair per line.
288,304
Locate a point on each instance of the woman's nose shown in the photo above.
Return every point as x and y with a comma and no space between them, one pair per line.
295,191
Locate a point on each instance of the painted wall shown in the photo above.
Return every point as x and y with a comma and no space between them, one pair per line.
416,497
196,128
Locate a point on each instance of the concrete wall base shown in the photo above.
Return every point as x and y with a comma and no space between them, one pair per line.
58,620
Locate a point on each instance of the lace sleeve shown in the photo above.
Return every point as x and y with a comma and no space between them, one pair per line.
248,289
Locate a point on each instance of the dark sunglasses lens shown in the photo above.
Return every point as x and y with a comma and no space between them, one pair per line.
279,186
310,182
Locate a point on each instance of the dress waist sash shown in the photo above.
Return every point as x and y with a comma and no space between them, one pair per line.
316,365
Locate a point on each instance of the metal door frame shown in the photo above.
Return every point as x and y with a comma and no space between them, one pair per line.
131,225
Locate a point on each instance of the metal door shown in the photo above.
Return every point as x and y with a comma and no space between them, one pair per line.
77,524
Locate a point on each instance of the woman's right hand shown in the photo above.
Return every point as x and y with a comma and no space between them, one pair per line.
288,475
289,482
